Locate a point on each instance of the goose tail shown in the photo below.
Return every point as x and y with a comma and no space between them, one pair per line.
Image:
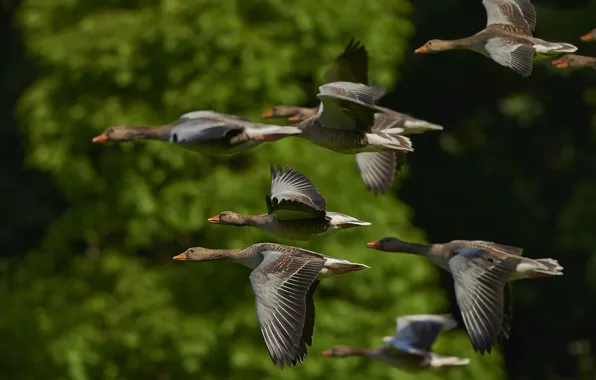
342,221
337,266
545,48
438,361
549,267
390,141
415,125
565,48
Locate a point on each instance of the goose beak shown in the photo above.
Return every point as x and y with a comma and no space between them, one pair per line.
214,219
100,138
267,115
181,256
294,118
587,37
421,49
327,353
560,64
373,244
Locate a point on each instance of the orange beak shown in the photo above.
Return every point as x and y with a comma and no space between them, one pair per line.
587,37
373,244
100,138
327,353
421,49
267,115
214,219
560,63
294,118
181,256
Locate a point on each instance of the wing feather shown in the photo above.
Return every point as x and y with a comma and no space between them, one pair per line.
281,284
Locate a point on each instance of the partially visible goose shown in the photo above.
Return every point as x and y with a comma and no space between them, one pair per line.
208,132
590,36
409,124
295,209
507,38
345,123
352,66
293,113
573,61
284,280
480,270
410,348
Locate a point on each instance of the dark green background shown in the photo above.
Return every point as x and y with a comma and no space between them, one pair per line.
89,290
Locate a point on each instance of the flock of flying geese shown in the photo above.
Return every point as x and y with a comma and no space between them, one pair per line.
348,121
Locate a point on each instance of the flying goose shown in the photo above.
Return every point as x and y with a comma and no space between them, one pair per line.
507,38
207,132
481,270
410,348
284,280
295,209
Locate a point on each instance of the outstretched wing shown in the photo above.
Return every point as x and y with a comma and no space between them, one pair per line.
281,284
517,13
349,66
421,331
293,196
347,105
479,286
197,130
516,56
377,169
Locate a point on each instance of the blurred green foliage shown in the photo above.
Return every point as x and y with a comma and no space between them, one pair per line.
89,289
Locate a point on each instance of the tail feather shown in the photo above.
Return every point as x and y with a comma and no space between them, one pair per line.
552,268
390,141
394,131
545,48
438,361
352,267
419,126
565,48
344,221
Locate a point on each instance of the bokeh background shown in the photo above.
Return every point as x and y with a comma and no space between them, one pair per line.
88,289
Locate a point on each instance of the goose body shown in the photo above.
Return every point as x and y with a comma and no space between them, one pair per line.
481,271
410,348
207,132
507,38
284,279
296,210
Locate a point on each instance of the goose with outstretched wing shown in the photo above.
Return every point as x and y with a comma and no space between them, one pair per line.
295,210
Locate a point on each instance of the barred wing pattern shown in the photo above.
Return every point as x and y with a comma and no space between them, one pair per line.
281,284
